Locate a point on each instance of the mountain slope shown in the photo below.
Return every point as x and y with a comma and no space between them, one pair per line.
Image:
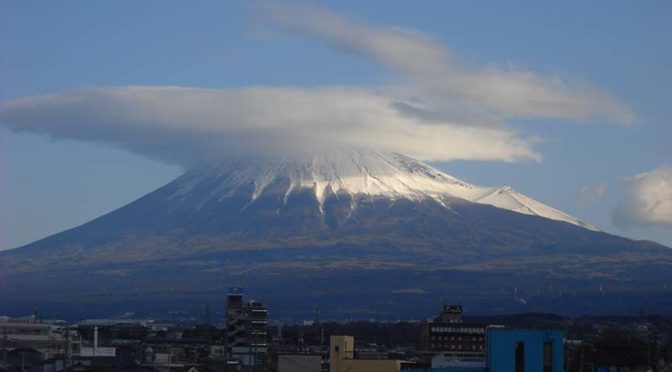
360,229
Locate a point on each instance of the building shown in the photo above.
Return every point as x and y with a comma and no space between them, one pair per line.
47,338
451,337
511,350
515,350
246,329
235,319
342,358
297,363
442,361
450,314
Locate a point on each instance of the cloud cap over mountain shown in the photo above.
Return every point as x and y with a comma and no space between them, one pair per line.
442,111
187,125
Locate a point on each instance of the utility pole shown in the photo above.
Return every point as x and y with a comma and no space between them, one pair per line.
653,351
66,351
4,344
255,352
95,340
170,356
581,360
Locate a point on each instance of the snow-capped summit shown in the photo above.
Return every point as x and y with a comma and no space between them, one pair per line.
354,173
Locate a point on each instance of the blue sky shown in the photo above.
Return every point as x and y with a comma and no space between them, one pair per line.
48,185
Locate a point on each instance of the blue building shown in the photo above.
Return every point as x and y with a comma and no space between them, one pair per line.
515,350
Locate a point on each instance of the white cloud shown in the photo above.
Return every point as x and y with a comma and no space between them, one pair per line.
648,199
435,75
187,125
589,194
443,110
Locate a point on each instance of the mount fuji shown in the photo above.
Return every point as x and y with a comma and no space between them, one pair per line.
357,233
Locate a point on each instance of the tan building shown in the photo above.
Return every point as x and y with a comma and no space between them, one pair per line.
342,358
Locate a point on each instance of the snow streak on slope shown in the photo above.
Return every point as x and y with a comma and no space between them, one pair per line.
357,173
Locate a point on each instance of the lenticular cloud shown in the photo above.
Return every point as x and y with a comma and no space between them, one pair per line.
187,125
442,111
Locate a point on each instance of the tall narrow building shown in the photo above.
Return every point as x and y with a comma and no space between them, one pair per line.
235,319
246,329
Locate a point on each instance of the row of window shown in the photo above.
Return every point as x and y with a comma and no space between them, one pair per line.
458,330
456,347
458,338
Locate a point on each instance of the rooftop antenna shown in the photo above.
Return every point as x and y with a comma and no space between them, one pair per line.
207,317
35,311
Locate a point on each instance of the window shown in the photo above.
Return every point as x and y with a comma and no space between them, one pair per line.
548,356
520,356
336,348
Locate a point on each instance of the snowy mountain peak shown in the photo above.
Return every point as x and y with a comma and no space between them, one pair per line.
355,173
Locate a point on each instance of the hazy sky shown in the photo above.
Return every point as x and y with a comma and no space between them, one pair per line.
567,102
